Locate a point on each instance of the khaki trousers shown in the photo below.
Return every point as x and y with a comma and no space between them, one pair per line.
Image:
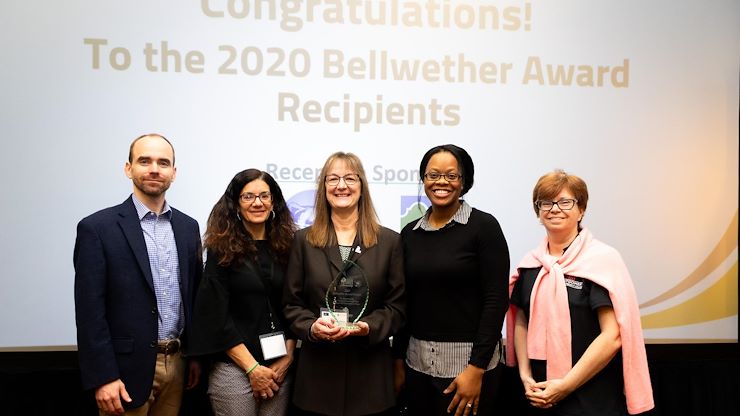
166,395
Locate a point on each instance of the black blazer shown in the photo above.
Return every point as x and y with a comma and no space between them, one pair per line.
115,304
353,376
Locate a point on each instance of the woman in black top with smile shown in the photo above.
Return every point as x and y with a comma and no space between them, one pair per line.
457,265
238,318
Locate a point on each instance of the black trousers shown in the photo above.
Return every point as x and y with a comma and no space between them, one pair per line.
424,397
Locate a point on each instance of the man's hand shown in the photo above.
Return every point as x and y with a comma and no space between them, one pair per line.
108,396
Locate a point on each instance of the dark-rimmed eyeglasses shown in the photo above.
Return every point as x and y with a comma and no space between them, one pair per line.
449,177
349,179
249,197
563,204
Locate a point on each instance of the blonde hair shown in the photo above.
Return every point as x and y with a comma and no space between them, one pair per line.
321,232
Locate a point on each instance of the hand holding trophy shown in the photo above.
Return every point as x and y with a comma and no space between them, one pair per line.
347,298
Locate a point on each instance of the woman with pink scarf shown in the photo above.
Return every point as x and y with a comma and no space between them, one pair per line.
574,324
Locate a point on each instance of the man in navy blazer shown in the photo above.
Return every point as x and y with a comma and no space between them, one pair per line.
137,267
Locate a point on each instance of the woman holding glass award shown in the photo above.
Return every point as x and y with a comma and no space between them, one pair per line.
238,320
457,266
344,297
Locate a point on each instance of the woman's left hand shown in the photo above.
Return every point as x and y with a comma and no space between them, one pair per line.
327,329
547,393
281,367
467,391
363,329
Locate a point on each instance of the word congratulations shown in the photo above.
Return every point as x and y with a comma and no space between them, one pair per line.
434,14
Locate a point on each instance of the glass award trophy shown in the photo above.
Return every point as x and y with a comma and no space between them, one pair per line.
347,295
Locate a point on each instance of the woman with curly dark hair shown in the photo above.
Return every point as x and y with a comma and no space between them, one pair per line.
238,318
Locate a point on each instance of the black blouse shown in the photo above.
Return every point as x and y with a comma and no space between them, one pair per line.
237,304
603,394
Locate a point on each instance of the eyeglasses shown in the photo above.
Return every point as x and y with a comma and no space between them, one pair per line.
349,179
449,177
249,197
563,204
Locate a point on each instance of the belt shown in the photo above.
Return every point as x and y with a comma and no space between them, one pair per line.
168,347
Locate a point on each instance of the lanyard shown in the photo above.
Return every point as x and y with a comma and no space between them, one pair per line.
267,283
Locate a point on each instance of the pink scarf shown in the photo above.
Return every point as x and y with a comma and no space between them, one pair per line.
549,337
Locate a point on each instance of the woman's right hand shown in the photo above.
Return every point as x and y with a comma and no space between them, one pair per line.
532,392
326,329
528,383
264,382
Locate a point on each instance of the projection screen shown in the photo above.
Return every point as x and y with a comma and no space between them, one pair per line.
638,98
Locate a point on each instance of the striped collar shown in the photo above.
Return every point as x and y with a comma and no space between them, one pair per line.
461,217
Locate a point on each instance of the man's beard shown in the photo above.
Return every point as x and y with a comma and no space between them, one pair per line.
150,189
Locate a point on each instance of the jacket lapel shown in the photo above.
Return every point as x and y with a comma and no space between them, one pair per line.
131,226
334,258
358,250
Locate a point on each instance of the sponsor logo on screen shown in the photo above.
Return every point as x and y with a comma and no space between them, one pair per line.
301,207
413,207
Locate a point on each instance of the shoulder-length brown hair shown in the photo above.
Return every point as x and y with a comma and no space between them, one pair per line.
321,233
226,236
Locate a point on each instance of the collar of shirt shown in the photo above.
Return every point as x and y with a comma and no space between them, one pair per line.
142,210
461,217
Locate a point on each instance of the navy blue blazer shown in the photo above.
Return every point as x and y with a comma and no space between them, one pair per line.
115,304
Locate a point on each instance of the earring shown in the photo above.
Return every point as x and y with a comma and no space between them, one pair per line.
238,216
273,214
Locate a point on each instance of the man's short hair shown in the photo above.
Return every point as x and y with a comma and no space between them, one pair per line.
131,148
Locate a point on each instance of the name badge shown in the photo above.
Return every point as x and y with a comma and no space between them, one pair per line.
273,345
340,316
